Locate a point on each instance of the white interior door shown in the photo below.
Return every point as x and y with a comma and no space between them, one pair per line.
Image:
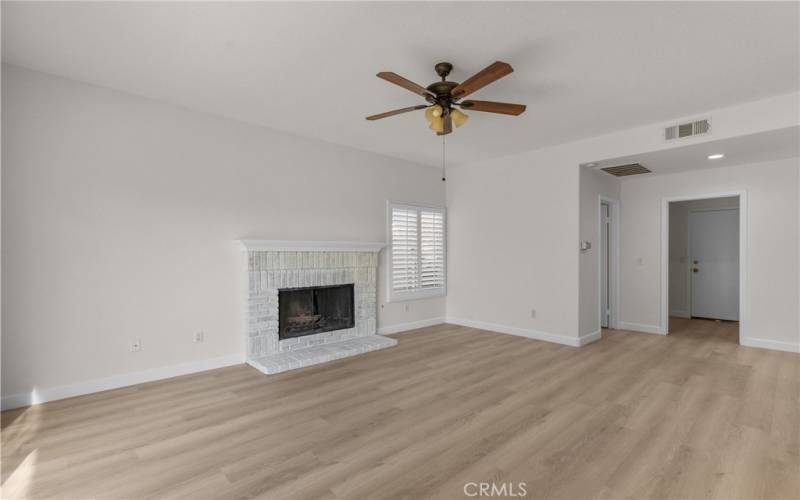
714,254
605,228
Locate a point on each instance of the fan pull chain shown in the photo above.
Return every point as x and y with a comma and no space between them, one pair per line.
444,171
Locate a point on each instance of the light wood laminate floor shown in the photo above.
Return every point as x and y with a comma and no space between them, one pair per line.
690,415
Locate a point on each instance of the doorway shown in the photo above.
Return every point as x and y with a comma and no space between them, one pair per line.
703,254
608,256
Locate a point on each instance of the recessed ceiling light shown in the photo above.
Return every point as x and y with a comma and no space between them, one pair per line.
590,165
716,156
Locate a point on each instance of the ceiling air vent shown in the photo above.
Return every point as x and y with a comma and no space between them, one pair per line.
688,129
625,170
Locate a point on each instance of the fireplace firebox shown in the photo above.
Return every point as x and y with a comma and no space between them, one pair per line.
315,309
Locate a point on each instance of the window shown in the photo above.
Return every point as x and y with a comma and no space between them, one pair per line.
417,252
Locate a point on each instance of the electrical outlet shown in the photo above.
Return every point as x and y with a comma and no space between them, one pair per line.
533,313
408,307
199,336
136,345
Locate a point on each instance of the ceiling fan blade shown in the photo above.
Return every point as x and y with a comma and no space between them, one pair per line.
405,83
482,78
503,108
395,112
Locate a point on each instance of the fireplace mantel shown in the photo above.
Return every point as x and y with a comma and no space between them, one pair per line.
310,246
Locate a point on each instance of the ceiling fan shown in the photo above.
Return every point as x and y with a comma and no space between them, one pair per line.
443,97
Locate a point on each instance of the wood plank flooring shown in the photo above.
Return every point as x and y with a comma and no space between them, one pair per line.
690,415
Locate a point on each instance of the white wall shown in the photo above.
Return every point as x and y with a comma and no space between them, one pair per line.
513,245
515,224
772,214
118,216
594,184
679,249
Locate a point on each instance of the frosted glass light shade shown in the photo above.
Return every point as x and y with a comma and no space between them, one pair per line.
437,125
433,112
458,117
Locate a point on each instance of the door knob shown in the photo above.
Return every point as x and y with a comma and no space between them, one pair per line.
694,270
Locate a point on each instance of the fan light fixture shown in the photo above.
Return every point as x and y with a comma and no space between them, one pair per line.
443,97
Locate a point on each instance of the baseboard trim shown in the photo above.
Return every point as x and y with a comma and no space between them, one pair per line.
524,332
680,314
412,325
642,328
590,337
775,345
39,396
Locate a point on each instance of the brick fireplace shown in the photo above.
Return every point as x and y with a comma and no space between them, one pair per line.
313,271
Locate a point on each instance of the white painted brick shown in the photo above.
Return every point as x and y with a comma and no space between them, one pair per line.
269,271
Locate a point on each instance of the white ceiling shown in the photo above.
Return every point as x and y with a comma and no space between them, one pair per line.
755,148
582,68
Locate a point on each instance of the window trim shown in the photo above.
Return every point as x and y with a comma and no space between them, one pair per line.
391,295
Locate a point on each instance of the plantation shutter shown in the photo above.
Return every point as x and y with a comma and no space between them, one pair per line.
405,250
431,249
417,251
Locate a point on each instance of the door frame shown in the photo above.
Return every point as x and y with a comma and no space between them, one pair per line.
744,262
613,261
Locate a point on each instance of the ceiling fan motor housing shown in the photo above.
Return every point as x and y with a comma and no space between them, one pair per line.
442,89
